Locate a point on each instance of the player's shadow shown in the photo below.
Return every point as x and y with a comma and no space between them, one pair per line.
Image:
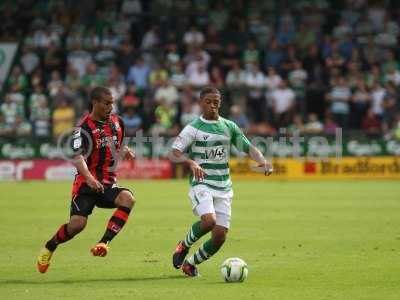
72,281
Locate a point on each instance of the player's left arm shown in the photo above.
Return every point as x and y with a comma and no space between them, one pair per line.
126,152
243,144
257,156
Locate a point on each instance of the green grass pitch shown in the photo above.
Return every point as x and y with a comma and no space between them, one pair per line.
301,240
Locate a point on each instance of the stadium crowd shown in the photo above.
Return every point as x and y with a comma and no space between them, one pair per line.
313,66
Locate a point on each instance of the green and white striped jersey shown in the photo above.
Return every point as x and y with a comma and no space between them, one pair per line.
209,143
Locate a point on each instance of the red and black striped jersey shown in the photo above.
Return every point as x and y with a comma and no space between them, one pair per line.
99,143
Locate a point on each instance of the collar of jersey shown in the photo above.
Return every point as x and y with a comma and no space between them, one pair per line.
209,121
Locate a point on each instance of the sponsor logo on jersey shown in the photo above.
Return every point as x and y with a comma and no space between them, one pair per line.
218,153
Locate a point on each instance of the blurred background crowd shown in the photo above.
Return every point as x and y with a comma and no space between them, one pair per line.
311,66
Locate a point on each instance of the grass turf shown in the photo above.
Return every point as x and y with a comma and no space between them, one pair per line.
302,240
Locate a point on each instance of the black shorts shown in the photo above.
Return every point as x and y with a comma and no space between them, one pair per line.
86,199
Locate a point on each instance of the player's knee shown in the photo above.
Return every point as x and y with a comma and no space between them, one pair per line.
125,198
208,223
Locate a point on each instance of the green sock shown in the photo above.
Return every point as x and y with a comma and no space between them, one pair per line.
203,253
194,234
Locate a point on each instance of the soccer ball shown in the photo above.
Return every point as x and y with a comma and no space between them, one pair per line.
234,270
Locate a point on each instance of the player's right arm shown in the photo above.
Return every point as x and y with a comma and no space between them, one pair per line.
80,146
82,168
177,155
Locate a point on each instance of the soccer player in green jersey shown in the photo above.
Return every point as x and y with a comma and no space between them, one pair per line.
207,141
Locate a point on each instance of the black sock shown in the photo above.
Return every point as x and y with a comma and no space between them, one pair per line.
60,237
115,224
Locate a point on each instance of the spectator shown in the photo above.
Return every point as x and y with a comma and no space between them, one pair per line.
298,78
190,111
5,128
79,59
52,59
330,125
217,78
55,83
10,110
63,118
285,35
16,95
126,56
36,97
213,44
239,117
92,77
236,77
219,16
157,76
305,37
21,128
41,118
18,79
392,75
178,78
131,7
313,125
132,120
139,74
193,37
283,102
117,85
165,116
166,93
29,60
390,106
377,97
172,56
199,77
297,125
274,55
339,97
72,80
371,124
230,56
131,99
151,39
251,54
255,81
361,100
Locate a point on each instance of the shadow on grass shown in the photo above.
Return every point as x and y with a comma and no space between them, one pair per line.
89,280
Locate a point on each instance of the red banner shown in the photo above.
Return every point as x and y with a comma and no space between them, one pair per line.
45,169
145,169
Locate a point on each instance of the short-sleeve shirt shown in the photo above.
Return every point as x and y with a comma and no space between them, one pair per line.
98,142
209,143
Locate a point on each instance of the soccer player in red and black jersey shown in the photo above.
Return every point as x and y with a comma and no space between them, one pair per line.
97,145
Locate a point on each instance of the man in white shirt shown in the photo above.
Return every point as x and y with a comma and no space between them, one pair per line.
283,100
255,82
166,92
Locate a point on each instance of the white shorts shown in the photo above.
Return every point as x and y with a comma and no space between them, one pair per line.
206,200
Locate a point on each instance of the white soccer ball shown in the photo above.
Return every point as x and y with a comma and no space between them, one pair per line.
234,270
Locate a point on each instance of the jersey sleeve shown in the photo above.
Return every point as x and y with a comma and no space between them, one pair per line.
238,139
80,141
184,139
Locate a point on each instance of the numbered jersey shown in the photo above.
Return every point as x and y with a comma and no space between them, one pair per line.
209,143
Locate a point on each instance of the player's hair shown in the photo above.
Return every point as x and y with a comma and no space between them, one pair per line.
98,92
208,90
